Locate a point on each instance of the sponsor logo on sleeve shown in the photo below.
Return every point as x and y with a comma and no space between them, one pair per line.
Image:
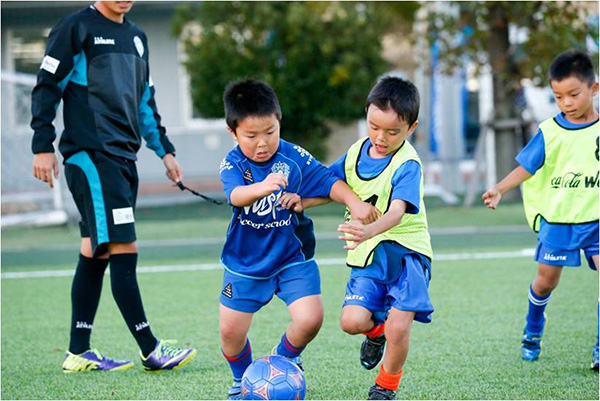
139,46
50,64
304,153
225,165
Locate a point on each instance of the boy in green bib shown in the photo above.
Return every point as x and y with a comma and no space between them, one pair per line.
391,257
559,172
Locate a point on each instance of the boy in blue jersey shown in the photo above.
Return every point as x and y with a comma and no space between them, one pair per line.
96,62
270,243
559,172
391,257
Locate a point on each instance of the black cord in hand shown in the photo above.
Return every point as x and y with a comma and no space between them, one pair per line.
184,188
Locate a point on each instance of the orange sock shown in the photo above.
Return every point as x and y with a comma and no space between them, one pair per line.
375,331
388,381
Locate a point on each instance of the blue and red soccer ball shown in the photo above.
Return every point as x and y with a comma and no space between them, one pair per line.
273,377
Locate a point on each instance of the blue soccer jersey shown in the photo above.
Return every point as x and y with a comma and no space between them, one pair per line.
561,236
264,238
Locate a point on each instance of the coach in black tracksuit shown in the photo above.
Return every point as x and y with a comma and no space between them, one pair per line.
97,63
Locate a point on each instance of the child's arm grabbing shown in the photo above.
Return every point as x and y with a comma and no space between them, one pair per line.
361,211
360,232
245,195
492,196
341,193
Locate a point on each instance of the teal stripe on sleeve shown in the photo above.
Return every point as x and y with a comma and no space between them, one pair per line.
148,124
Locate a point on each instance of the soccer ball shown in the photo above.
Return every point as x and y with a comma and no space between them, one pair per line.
273,377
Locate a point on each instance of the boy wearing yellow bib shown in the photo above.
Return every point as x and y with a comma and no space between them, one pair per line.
391,257
559,172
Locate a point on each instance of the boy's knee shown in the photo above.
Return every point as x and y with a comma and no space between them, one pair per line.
310,323
544,285
229,332
352,324
397,329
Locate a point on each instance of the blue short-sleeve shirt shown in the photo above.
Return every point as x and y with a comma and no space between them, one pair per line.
264,238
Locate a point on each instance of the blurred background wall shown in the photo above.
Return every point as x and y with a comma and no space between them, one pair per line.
458,120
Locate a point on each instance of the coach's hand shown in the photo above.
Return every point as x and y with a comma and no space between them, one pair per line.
174,170
44,166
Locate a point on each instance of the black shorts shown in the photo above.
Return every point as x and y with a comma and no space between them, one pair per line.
104,188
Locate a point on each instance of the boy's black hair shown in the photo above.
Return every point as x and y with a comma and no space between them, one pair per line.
398,94
572,63
249,98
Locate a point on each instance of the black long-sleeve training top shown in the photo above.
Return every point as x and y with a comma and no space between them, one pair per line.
99,68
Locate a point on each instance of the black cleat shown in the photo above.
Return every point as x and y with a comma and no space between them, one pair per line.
371,351
379,393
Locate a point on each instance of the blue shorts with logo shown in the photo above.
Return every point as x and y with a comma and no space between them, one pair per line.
409,290
246,294
561,245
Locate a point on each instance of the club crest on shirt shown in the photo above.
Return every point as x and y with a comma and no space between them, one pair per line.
281,168
139,46
248,175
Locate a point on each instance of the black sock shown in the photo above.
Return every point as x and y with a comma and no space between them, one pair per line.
129,300
85,296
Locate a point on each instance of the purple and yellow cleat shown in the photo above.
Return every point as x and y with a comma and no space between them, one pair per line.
167,357
92,360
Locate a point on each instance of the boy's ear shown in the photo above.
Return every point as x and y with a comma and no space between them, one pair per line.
412,128
594,89
232,132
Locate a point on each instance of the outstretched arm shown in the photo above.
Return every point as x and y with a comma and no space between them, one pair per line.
360,232
312,202
492,196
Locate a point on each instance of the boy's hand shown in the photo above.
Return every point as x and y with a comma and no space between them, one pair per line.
491,198
291,201
174,170
44,166
364,212
358,233
274,182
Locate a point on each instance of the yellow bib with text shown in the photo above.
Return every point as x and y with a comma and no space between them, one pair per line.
412,231
565,189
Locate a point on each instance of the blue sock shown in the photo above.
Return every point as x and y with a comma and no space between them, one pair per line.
537,306
240,362
287,349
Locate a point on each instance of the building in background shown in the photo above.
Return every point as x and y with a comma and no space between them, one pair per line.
201,144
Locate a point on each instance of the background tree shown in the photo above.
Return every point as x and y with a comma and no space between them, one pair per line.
320,57
518,40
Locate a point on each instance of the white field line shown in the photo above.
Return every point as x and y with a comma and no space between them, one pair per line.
322,262
324,236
